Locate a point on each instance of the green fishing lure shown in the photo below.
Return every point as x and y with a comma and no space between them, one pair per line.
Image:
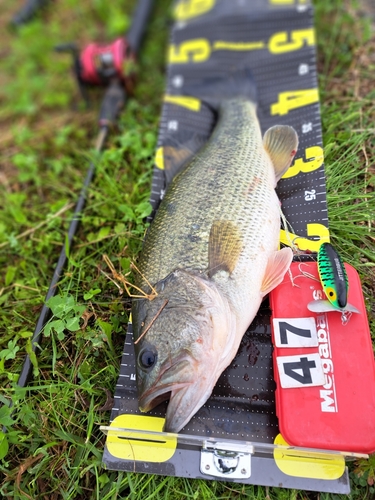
333,276
334,281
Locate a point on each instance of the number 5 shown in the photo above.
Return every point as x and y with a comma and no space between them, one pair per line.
192,8
197,50
279,42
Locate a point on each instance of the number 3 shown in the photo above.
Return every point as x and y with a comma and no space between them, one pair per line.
313,160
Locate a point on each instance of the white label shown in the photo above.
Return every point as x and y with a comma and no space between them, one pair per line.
295,332
178,81
172,125
307,127
300,371
303,69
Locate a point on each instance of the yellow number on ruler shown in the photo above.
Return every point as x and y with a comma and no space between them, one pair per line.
287,42
313,229
197,50
314,157
294,99
192,8
191,103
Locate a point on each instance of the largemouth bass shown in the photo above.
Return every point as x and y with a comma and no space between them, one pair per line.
211,255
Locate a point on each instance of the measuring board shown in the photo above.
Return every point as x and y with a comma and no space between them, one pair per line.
235,435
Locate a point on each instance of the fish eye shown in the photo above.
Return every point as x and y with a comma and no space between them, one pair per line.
147,359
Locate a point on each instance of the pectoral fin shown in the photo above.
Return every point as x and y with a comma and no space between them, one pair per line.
277,266
319,306
224,247
281,143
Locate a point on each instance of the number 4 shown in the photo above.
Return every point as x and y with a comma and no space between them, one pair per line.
287,101
300,371
303,364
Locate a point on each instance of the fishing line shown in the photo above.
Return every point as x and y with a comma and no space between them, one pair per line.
287,226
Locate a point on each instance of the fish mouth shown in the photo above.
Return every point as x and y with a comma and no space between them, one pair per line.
183,405
153,398
187,389
166,384
185,399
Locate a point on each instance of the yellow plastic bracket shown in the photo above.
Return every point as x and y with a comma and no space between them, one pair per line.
314,465
135,445
159,158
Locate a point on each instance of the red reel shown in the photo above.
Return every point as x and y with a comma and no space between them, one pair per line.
100,63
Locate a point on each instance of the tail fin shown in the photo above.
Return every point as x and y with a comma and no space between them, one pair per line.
239,84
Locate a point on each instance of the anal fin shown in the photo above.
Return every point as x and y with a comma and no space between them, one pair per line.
278,264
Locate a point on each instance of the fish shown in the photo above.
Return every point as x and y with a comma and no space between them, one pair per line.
334,280
210,256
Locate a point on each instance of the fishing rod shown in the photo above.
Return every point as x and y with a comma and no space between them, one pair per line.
29,10
95,65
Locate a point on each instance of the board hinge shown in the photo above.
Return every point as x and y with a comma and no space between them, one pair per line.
226,460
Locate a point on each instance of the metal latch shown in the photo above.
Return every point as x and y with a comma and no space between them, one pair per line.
226,460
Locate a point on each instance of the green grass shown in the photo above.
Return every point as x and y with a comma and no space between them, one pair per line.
55,447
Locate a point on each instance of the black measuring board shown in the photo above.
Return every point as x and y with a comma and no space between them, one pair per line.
275,40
